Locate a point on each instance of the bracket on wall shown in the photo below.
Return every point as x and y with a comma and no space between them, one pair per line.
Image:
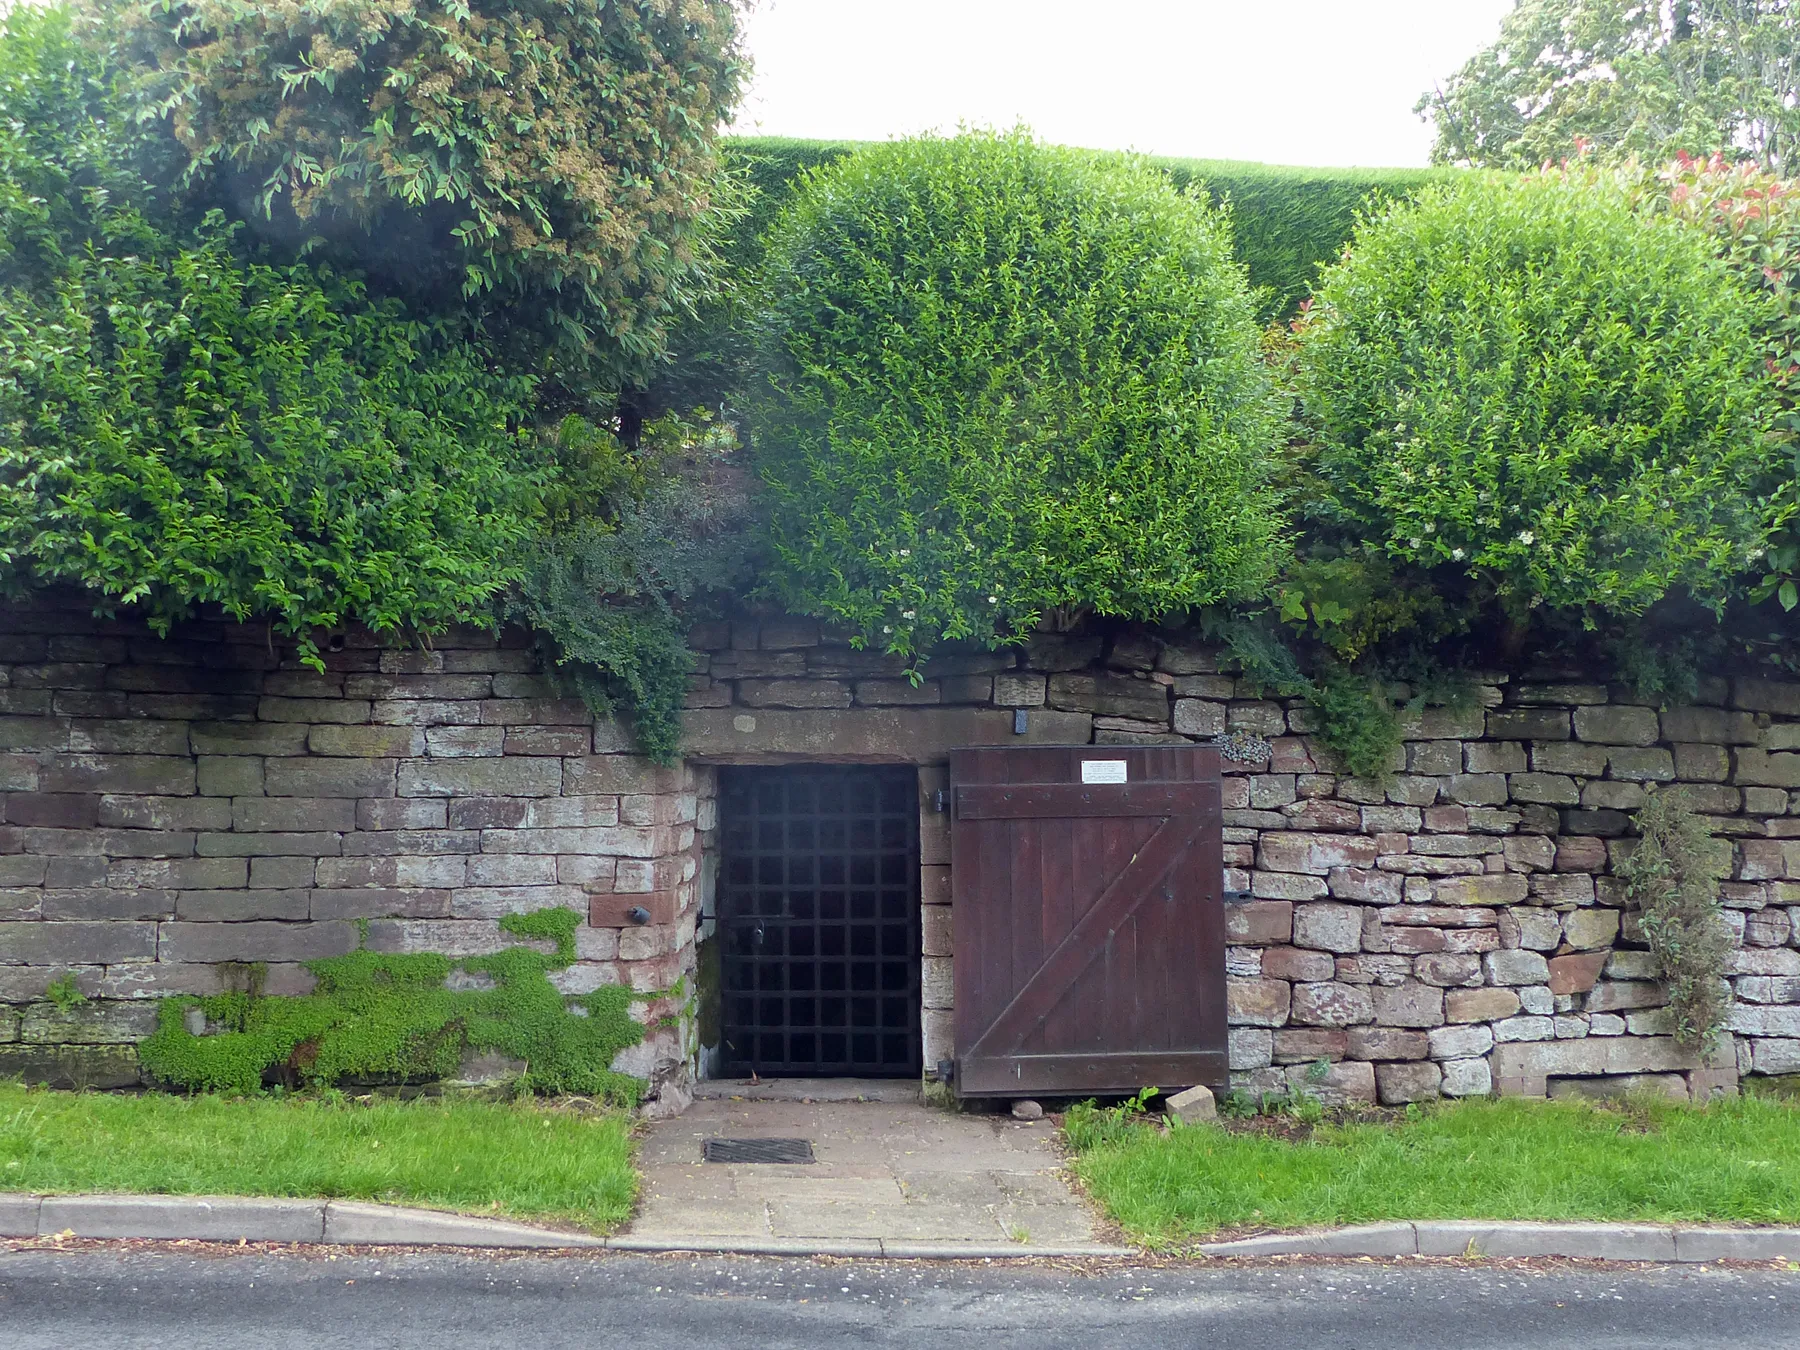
1021,721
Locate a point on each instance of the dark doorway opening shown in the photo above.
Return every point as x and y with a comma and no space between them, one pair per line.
818,909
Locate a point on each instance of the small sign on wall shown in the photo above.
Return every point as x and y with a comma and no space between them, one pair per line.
1103,771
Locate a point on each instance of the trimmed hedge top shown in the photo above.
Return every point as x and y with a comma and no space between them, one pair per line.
998,378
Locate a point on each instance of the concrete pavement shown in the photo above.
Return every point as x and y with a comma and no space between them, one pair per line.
889,1170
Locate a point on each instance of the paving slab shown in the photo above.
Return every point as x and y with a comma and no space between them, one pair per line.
200,1217
885,1170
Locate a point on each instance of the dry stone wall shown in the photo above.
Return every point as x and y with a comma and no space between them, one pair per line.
173,809
1455,929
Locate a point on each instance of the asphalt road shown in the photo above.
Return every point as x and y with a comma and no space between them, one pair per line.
109,1298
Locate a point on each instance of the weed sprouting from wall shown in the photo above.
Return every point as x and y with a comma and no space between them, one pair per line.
380,1017
1673,877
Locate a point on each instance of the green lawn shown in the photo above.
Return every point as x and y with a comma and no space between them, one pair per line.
1735,1161
523,1161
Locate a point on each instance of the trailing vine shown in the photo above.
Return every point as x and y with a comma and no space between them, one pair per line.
390,1017
1673,877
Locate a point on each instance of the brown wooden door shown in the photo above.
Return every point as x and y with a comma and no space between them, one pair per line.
1089,919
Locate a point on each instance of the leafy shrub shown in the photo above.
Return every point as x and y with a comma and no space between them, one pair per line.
553,156
601,591
1753,217
178,428
996,379
1673,877
1529,380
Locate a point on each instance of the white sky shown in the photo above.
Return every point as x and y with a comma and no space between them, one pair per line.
1317,82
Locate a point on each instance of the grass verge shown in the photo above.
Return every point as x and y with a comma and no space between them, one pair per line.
1735,1161
523,1161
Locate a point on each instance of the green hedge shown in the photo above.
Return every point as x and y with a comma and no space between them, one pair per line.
998,378
1286,222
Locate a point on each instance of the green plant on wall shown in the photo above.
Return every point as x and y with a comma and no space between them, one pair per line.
385,1017
1673,877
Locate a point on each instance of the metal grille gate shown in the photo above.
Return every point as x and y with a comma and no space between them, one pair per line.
819,914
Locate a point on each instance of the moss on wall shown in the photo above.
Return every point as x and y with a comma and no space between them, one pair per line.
387,1017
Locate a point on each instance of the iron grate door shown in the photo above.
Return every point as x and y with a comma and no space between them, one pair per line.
819,913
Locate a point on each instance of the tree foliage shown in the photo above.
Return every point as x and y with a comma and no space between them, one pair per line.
1628,77
1531,382
179,426
998,379
547,164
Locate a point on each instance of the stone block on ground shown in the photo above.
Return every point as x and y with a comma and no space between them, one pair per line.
1193,1106
172,1218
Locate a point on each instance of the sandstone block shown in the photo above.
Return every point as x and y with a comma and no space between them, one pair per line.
1260,922
1609,796
1528,724
1466,1041
1495,888
1771,696
1528,1027
1412,1004
1317,854
1709,726
1109,695
1286,886
1250,1048
1761,768
303,710
1619,995
1331,1005
1550,789
1641,766
242,906
1346,1081
324,777
1196,717
1025,689
1588,761
1616,725
1386,1043
1292,963
1449,969
1480,1005
229,775
178,874
1362,883
180,941
602,775
1408,1082
366,742
1516,967
290,814
513,776
1328,927
1490,757
1467,1078
148,775
1263,1003
1308,1045
1706,763
1576,973
1586,929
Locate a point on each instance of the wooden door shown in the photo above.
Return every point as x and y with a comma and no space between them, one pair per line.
1089,919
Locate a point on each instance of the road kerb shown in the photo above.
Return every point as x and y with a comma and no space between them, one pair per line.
340,1222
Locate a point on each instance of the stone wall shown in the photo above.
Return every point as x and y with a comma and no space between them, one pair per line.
1455,929
170,807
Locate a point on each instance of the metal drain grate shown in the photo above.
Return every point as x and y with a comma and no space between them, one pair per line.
758,1151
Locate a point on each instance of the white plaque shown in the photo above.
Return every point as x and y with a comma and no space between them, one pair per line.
1103,771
